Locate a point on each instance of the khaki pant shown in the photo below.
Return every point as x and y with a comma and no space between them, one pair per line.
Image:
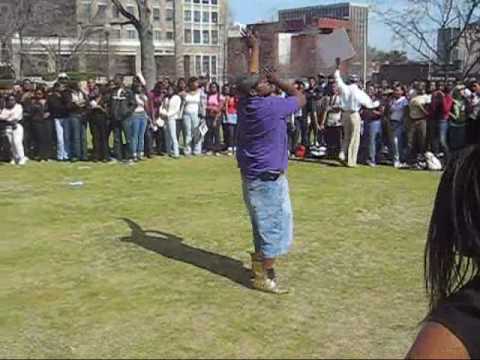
352,124
417,138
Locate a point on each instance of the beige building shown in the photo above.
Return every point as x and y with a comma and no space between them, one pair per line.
189,39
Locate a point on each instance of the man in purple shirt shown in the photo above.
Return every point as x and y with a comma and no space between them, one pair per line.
263,160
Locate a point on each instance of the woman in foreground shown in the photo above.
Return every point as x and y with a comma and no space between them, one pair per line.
452,265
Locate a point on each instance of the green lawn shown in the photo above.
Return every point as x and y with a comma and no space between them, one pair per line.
146,261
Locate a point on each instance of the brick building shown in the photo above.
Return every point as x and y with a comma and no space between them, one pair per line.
303,63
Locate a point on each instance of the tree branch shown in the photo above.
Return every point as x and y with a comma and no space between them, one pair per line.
135,22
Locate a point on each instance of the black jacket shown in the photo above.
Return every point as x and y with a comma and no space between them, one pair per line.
122,105
57,105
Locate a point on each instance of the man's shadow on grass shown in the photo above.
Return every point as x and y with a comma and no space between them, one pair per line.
172,247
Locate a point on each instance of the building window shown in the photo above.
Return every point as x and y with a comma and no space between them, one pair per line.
169,16
214,65
188,36
205,2
156,14
206,37
197,16
188,1
214,17
187,16
169,35
117,34
158,35
102,10
115,12
196,37
206,17
206,65
198,65
87,10
214,2
131,34
214,37
131,10
196,1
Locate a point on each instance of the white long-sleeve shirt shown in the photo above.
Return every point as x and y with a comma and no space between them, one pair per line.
352,98
171,108
13,114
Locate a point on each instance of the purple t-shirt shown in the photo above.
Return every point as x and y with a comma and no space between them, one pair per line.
262,134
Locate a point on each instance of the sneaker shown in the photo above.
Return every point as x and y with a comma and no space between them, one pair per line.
12,162
341,156
269,285
218,154
209,153
371,164
23,161
397,164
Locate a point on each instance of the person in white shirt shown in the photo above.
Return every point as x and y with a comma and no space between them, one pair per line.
12,114
352,98
191,119
137,123
397,109
170,111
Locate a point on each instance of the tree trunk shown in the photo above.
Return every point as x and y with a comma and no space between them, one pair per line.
147,52
20,54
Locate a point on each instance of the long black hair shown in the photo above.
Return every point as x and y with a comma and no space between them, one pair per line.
452,253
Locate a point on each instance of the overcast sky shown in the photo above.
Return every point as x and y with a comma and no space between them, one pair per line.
249,11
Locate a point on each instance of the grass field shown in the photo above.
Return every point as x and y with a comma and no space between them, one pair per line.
147,261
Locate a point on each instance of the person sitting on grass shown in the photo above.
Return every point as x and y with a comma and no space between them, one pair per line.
263,160
452,265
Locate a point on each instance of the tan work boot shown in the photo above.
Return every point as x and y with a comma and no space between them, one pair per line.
261,279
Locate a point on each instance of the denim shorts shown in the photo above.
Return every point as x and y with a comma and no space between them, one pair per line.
270,210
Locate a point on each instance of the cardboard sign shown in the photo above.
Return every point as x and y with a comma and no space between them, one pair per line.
312,52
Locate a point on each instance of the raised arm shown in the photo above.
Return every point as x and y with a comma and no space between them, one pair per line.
343,88
253,51
288,88
366,100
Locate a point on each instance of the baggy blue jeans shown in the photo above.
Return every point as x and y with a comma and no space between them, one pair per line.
271,215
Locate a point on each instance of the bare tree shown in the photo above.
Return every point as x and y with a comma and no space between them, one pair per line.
39,27
143,25
435,29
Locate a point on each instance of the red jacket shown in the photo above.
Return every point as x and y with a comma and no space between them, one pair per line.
441,106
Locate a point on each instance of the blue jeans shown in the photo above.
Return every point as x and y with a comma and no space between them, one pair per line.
270,210
397,145
443,127
73,136
374,133
137,125
62,153
171,137
191,121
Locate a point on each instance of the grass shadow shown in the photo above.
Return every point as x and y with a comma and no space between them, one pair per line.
173,247
322,161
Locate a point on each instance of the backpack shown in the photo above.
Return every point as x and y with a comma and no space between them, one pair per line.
433,163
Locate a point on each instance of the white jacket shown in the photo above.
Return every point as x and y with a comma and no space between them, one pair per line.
13,114
171,108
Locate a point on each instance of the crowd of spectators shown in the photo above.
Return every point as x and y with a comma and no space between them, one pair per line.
80,121
83,121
